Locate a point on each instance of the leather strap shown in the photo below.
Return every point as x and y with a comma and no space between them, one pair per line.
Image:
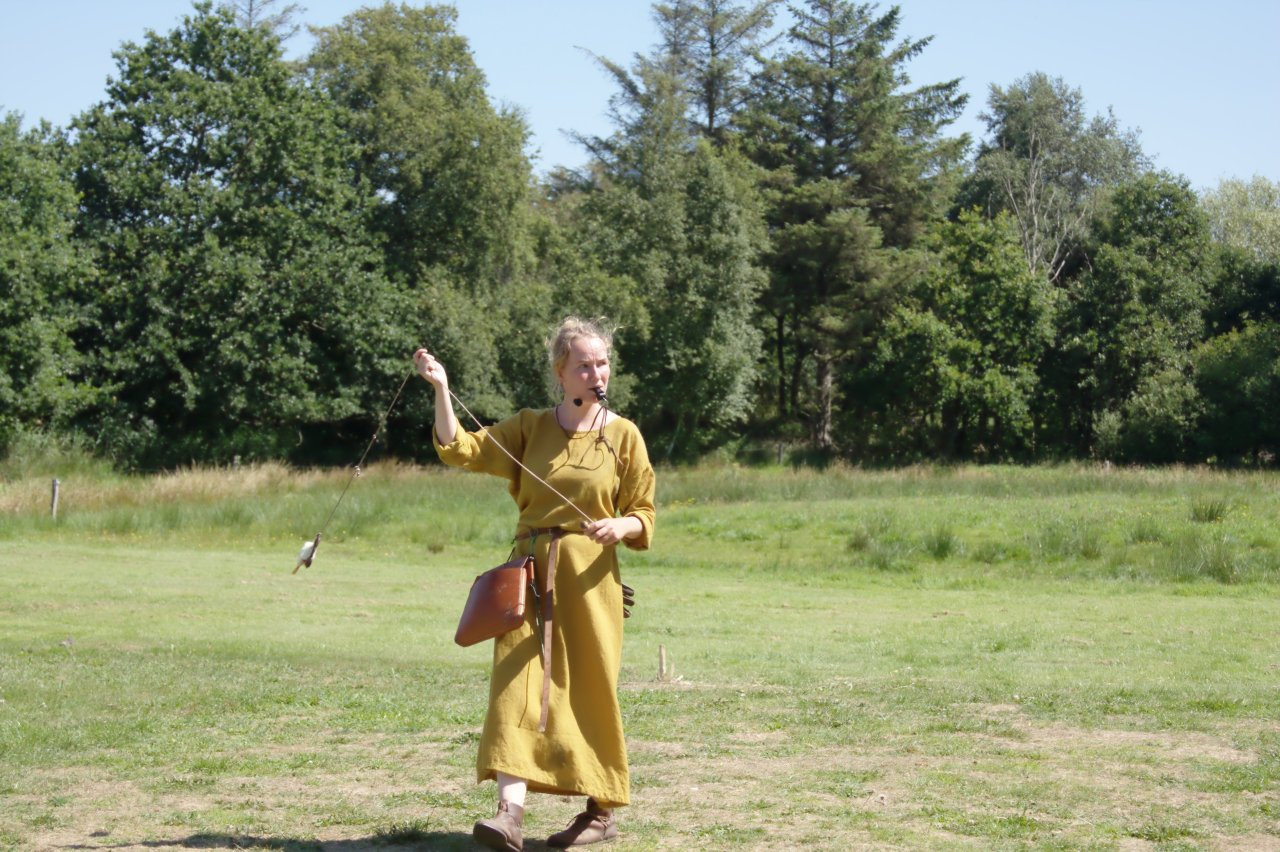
548,613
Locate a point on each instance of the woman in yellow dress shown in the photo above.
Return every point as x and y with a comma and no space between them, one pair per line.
563,733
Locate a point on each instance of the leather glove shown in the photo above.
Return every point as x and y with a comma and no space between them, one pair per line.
628,600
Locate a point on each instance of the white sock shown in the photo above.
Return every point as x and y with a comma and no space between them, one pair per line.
511,789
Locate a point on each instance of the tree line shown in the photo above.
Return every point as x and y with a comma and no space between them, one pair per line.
232,254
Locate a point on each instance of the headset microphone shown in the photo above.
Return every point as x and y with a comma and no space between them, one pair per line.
599,392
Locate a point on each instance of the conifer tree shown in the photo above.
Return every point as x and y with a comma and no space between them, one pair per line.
858,167
680,222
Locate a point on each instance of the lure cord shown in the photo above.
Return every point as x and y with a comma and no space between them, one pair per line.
382,422
498,444
358,471
360,464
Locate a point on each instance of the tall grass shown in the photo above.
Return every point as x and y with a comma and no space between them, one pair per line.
33,455
1167,525
732,484
265,504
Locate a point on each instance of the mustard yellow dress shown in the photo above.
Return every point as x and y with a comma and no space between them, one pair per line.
582,751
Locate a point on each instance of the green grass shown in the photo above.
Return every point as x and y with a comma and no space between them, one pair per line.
952,657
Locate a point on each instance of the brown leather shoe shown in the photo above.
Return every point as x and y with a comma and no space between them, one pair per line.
505,831
594,825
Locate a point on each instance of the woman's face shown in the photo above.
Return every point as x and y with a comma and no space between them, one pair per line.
586,369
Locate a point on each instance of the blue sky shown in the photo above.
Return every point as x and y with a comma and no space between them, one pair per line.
1200,81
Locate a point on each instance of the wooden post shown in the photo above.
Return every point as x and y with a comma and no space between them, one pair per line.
53,501
664,674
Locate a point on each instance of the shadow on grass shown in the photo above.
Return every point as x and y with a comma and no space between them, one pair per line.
389,842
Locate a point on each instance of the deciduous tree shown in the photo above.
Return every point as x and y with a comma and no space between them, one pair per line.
1132,322
1044,162
41,269
451,179
1246,216
241,308
1237,375
955,369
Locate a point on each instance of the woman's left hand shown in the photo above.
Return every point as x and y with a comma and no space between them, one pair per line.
613,530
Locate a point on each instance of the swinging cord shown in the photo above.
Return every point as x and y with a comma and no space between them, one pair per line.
497,444
358,472
382,422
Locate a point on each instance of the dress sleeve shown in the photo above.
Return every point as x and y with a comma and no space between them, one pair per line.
636,490
478,451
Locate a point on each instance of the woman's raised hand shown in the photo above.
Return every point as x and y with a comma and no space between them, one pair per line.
430,369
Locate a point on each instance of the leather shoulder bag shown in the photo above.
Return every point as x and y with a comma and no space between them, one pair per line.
497,602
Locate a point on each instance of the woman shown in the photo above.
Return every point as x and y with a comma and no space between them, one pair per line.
562,733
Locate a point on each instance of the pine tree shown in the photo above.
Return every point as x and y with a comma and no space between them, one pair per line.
858,167
679,222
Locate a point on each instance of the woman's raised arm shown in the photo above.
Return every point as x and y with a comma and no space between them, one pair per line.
433,371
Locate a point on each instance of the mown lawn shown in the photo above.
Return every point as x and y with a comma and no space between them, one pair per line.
943,658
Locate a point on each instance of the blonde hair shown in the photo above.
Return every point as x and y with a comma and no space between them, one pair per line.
572,328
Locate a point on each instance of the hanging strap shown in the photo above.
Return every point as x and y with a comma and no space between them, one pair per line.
548,613
544,631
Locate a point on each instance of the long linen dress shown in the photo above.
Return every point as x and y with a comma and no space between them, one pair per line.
582,751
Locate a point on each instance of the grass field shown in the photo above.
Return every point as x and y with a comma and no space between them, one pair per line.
1056,658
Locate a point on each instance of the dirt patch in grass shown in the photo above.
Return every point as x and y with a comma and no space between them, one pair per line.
1167,745
355,801
1246,843
745,790
1061,784
1164,746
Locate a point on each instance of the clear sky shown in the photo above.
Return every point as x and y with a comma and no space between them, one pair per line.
1200,81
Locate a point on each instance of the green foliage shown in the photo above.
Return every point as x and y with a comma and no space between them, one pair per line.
711,46
1122,372
450,182
1237,375
1046,163
954,369
44,454
41,271
683,222
240,295
1244,289
448,169
259,13
857,167
232,255
1154,425
1246,216
696,368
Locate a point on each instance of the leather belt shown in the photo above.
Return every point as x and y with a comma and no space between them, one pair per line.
544,631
